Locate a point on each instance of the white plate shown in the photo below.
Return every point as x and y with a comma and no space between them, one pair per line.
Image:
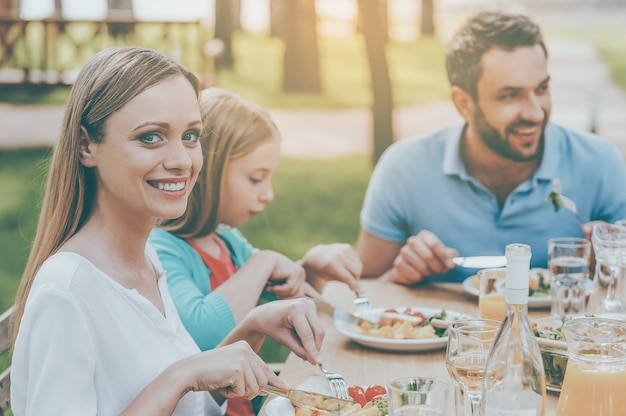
534,302
279,406
390,344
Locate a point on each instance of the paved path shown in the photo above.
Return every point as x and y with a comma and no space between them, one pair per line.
578,78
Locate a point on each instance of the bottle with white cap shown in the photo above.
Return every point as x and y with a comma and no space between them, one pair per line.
515,383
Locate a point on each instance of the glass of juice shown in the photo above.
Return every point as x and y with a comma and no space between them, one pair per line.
596,369
491,303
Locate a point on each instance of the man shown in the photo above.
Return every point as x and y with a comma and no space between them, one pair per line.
476,186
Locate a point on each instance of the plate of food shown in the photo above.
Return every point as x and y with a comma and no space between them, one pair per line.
401,328
549,334
538,292
371,401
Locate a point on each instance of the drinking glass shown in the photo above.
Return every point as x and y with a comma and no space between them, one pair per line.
418,396
609,293
491,300
568,262
469,342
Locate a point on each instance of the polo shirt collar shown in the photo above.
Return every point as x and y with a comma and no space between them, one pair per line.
547,170
452,163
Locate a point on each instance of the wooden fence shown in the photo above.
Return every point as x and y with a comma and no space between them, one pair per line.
52,50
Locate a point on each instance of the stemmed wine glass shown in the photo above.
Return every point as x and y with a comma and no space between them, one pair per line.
609,245
469,342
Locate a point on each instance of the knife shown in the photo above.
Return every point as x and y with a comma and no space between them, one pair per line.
340,314
480,262
307,398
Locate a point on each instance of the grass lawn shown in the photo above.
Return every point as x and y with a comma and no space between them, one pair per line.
316,201
23,173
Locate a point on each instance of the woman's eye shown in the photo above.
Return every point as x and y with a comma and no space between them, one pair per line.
150,138
256,180
191,136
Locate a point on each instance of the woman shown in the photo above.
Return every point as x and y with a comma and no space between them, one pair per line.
95,329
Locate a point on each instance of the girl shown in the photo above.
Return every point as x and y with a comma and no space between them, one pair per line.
95,329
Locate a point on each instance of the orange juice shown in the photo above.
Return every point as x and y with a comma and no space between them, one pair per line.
589,389
492,306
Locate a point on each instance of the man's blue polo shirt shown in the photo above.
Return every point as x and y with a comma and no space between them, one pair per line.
421,183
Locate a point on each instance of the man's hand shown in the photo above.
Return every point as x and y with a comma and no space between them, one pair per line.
422,255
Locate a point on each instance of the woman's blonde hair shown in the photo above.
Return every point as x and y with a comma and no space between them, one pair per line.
232,128
107,82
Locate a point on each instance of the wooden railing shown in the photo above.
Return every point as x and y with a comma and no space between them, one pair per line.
52,50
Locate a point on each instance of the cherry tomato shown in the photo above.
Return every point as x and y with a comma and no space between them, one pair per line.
358,394
373,391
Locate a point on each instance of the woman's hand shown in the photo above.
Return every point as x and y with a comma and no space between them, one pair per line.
233,370
293,323
338,261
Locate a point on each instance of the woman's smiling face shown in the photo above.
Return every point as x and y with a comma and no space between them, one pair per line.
149,157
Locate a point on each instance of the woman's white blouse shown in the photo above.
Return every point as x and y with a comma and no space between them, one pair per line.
88,346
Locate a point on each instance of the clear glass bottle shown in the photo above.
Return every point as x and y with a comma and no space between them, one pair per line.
515,381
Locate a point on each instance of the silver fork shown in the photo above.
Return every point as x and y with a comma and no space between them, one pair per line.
337,383
571,206
361,303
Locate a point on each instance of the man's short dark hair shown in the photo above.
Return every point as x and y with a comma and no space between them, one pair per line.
482,32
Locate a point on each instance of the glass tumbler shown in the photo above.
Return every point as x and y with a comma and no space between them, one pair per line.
568,261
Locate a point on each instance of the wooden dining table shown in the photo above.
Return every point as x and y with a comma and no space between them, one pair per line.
363,365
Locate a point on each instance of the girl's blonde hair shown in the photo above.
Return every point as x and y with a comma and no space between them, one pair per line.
108,81
232,128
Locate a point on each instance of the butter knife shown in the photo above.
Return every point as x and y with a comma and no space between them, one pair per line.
307,398
480,262
342,315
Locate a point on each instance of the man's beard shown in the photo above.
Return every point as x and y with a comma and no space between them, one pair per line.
498,144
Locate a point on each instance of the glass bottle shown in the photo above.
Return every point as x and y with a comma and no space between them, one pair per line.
515,381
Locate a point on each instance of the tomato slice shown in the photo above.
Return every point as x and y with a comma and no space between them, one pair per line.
416,314
358,394
373,391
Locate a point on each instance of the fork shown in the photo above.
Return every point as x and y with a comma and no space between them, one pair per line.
361,303
570,205
337,383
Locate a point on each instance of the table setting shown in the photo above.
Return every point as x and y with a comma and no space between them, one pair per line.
363,365
363,357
